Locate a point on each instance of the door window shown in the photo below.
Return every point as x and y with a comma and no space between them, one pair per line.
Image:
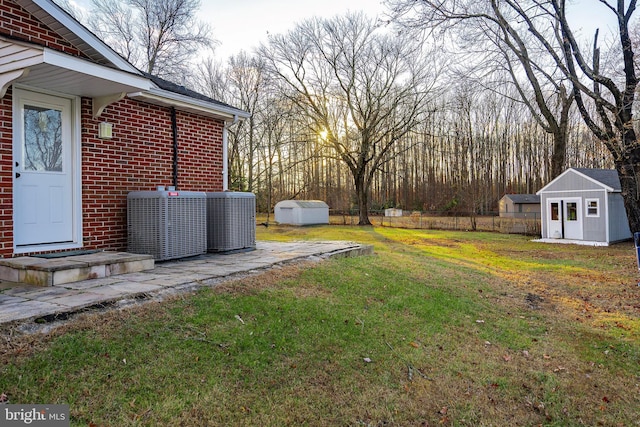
42,139
555,210
572,211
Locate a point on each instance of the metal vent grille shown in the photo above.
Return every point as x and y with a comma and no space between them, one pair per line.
231,221
167,224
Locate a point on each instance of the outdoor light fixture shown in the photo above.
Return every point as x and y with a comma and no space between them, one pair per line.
105,130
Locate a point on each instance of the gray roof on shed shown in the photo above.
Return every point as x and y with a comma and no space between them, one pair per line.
523,199
608,177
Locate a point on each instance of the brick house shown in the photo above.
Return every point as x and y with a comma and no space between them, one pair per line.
80,127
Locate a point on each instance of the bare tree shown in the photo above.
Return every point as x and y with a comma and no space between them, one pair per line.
160,37
498,48
362,89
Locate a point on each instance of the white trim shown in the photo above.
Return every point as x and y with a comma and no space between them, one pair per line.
89,68
71,24
586,208
594,190
76,175
186,103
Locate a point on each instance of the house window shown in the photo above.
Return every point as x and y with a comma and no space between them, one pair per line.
572,211
592,207
555,209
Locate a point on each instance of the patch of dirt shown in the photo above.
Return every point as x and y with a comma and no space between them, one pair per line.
533,301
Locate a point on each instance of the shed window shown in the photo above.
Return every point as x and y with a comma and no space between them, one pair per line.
555,209
572,211
592,207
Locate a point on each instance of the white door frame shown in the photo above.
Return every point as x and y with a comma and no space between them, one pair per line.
76,167
555,228
577,231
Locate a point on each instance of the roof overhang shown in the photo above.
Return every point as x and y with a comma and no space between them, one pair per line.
43,68
54,17
39,67
166,98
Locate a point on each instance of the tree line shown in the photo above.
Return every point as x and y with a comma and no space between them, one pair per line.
441,106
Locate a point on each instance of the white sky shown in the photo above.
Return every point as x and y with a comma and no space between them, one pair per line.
243,24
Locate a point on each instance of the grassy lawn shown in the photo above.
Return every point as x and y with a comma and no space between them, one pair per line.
436,328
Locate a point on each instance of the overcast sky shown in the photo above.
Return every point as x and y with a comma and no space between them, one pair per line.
244,24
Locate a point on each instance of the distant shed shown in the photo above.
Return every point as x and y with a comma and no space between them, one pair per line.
301,212
520,206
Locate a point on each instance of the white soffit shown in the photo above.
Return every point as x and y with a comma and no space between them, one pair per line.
47,69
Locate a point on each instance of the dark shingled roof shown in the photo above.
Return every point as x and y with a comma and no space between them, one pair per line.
176,88
608,177
524,199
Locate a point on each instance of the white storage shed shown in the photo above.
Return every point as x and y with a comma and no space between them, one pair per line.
301,212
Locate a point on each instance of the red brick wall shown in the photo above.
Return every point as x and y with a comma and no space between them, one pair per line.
6,176
140,157
19,24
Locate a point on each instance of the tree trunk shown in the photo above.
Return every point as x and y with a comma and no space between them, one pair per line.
363,199
559,154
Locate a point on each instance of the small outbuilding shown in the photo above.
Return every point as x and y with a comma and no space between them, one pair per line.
301,212
520,206
393,212
584,206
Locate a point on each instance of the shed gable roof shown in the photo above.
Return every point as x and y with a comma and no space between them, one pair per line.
523,199
605,178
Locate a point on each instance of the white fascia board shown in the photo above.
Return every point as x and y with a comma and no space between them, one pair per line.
91,39
79,65
165,97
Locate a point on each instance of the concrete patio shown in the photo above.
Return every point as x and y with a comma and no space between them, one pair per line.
28,302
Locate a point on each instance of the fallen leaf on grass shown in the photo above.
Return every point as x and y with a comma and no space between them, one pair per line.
414,344
444,410
506,357
4,398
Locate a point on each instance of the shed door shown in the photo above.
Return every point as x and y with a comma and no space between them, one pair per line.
573,219
555,214
43,199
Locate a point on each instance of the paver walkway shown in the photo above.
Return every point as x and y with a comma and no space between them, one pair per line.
25,302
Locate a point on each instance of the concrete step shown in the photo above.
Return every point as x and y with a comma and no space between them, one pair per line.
67,269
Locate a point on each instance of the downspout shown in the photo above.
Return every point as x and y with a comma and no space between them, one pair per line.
225,152
174,130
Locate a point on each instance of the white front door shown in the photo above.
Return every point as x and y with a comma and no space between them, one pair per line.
43,154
